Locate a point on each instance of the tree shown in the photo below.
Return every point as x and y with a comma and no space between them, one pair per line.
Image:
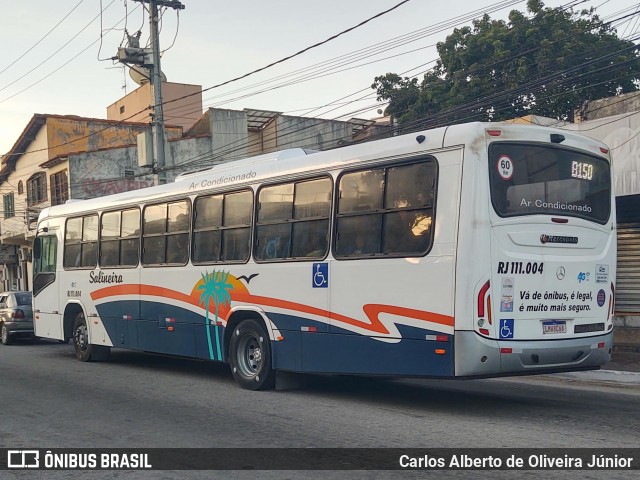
546,64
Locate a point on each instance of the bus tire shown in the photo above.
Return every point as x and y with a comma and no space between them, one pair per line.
85,352
250,356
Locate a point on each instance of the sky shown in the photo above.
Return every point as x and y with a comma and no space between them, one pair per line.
67,70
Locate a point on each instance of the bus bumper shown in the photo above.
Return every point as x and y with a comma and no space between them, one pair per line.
479,356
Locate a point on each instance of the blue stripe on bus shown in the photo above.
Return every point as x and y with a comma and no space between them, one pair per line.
340,351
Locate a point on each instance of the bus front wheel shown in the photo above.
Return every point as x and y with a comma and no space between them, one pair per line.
85,352
250,356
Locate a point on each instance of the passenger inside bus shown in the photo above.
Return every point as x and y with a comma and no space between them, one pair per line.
360,243
406,231
315,246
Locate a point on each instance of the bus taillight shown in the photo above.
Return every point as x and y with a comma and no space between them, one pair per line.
481,294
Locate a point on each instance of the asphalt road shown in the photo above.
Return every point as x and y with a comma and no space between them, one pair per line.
50,400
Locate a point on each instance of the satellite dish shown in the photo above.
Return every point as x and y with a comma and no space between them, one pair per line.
142,75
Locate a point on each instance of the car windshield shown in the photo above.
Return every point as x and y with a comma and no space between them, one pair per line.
23,298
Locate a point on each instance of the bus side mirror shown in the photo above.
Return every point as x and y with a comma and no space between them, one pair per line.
37,245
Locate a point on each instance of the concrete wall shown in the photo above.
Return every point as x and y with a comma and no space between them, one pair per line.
255,145
67,135
187,155
95,174
626,334
182,112
608,107
231,139
228,134
314,133
621,133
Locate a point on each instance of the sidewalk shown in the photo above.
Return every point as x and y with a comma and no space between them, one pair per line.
623,370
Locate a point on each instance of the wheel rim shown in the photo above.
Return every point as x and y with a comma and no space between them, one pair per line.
5,334
249,357
80,337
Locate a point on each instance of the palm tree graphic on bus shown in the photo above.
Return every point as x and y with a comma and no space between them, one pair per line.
215,288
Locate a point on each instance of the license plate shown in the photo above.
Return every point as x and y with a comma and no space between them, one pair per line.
557,326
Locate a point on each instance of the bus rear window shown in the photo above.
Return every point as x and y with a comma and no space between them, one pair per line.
531,179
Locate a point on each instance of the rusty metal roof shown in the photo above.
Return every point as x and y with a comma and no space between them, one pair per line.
258,119
360,124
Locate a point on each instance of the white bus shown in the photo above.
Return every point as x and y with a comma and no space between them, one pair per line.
474,250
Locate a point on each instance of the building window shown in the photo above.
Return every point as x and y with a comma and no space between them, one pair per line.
20,187
37,189
9,209
59,188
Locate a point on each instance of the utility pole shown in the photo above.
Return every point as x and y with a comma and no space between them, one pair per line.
140,56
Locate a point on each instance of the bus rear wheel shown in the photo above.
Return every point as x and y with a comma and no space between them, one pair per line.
250,356
85,352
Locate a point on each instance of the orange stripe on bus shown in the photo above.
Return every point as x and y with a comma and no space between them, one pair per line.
371,310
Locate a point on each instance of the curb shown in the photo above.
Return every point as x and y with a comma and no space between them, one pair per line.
610,376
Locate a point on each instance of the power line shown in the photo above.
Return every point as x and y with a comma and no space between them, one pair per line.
21,56
54,53
247,74
333,37
225,82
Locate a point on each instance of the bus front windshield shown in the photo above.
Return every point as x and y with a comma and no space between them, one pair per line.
530,179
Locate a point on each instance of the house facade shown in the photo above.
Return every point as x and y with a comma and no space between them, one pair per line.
34,175
63,157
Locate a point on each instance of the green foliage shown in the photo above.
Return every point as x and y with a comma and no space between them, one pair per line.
545,63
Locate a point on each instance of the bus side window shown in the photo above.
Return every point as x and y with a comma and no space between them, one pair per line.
81,242
293,220
165,237
120,238
394,208
358,235
222,228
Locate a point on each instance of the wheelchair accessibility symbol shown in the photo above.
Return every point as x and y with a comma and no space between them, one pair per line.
506,328
320,275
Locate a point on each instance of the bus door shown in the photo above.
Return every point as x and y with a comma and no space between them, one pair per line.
47,318
552,244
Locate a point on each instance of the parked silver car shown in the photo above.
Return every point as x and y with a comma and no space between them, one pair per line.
16,316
